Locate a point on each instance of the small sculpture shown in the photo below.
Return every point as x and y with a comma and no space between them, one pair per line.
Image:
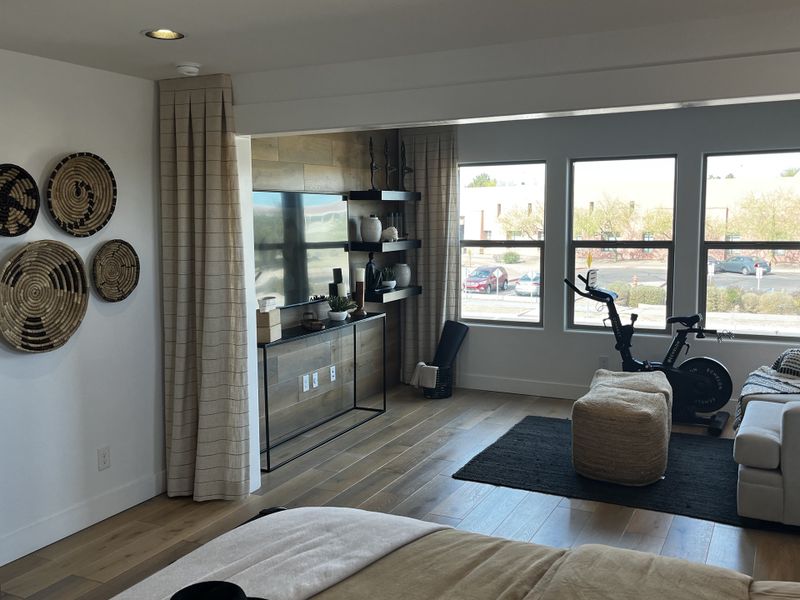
404,168
372,274
389,234
387,169
372,167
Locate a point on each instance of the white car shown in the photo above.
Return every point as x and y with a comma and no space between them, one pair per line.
528,285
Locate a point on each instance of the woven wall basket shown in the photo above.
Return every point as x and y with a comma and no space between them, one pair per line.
115,270
82,194
19,200
43,296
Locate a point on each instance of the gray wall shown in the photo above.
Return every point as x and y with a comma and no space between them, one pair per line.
556,362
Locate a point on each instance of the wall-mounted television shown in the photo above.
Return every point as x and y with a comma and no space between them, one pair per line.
299,239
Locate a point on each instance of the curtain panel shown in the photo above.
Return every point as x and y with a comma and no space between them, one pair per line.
431,152
204,315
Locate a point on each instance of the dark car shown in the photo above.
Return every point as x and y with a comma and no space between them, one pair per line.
528,285
486,279
746,265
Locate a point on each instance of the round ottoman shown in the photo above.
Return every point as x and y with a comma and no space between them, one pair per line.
619,434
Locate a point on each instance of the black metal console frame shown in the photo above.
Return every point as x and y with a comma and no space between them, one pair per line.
296,333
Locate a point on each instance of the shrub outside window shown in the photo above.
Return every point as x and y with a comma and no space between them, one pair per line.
622,224
750,266
502,242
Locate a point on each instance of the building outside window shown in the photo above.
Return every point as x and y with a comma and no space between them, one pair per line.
750,264
501,249
622,224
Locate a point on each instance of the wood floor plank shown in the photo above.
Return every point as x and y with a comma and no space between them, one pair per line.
732,548
425,498
777,556
641,542
71,587
528,516
650,522
493,510
21,566
688,538
606,525
462,500
561,528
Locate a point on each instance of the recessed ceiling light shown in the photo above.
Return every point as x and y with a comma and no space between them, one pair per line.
163,34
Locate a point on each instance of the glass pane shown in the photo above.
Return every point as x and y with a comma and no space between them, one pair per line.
502,202
629,199
501,284
637,275
754,291
748,197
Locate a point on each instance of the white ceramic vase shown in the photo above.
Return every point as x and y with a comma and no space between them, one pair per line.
337,315
402,275
371,229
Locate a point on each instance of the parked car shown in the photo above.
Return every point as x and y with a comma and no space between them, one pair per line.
487,279
528,285
746,265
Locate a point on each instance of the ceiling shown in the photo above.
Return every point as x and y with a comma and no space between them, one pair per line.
236,36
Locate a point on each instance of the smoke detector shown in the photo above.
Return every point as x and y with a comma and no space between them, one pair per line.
188,69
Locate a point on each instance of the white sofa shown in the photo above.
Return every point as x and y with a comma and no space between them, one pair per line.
767,449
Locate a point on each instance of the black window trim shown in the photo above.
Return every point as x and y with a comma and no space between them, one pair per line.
702,271
539,324
573,244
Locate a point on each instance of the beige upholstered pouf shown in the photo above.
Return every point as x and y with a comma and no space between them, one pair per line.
621,428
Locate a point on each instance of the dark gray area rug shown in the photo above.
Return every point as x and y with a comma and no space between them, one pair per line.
535,455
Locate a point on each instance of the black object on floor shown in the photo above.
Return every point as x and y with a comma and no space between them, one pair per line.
535,455
453,334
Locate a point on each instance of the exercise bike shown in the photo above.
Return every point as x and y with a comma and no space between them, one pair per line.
699,384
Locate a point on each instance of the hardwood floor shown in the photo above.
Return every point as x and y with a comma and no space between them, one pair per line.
399,463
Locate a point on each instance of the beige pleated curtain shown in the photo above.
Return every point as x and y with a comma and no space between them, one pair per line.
431,152
205,345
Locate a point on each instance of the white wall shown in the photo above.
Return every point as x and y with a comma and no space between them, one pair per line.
555,362
103,388
243,158
705,60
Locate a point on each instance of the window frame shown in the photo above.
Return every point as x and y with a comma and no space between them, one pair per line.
705,246
574,244
539,243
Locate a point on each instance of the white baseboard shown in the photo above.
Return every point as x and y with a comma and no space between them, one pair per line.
528,387
52,528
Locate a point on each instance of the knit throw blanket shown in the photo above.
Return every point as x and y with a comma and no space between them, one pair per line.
766,381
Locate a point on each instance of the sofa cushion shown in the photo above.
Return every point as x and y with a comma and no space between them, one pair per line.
788,363
758,441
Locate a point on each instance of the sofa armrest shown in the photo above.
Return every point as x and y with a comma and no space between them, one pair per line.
790,462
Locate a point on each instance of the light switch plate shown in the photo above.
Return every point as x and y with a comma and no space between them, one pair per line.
333,372
305,382
315,379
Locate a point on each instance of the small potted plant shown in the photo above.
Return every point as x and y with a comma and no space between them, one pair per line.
339,305
388,281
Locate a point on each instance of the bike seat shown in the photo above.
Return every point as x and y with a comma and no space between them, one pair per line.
690,321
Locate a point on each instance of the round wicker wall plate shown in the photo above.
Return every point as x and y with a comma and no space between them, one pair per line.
43,296
19,200
82,194
115,270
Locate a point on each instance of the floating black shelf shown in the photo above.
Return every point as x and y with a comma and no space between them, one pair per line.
393,294
385,195
384,246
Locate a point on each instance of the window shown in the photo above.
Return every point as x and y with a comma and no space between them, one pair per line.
501,249
622,225
751,259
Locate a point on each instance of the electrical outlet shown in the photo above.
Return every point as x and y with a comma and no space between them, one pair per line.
305,382
315,379
103,458
602,362
333,372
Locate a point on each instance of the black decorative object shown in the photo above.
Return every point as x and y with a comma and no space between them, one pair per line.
372,167
337,275
212,590
43,296
115,270
82,194
404,168
387,169
19,200
372,274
